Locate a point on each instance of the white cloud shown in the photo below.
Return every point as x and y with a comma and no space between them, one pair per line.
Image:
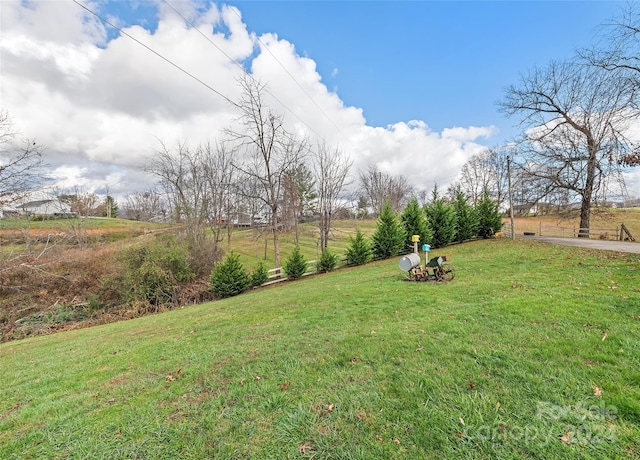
99,107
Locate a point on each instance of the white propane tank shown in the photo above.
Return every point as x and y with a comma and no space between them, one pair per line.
409,261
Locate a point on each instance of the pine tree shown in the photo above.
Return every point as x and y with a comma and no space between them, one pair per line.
415,223
295,266
259,275
328,261
442,220
489,217
388,239
359,249
466,218
230,277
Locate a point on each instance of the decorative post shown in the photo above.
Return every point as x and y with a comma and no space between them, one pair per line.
415,239
426,248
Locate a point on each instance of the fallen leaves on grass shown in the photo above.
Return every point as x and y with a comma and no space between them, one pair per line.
567,438
172,378
597,391
304,448
285,386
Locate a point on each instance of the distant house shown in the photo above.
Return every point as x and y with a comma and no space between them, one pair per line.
7,212
45,208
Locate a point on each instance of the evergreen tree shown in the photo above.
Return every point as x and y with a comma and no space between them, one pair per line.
327,262
259,275
489,218
359,249
415,223
230,277
466,218
295,265
388,239
442,220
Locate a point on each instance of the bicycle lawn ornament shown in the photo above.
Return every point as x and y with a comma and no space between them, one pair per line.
436,269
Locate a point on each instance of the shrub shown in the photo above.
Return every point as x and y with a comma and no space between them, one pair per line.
152,273
327,262
153,284
415,222
359,250
442,220
466,218
229,278
205,256
295,266
260,274
489,218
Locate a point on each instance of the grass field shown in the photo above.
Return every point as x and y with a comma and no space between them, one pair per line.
609,219
532,351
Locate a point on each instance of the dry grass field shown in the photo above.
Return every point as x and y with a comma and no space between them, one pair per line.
608,221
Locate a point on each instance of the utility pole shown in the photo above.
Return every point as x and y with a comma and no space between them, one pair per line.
513,228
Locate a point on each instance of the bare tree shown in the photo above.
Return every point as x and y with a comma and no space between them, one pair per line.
486,170
147,206
331,170
574,117
268,151
219,178
377,187
621,50
620,56
21,163
199,186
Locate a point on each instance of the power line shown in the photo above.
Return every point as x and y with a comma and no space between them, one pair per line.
156,53
264,46
251,76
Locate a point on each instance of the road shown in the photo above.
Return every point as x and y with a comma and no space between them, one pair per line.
620,246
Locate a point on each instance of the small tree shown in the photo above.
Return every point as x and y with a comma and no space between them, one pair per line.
388,239
415,223
489,217
442,220
359,249
295,266
259,275
327,262
466,218
230,277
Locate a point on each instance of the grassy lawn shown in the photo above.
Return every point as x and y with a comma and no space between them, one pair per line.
532,351
253,245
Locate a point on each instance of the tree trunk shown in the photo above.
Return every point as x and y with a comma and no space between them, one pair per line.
585,208
276,239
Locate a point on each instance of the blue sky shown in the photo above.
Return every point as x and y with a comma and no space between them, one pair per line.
410,87
444,62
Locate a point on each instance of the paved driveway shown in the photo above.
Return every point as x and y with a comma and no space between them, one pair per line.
620,246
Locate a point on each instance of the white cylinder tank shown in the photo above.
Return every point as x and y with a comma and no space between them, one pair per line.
409,261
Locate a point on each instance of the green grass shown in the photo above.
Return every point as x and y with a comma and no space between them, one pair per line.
353,364
253,245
